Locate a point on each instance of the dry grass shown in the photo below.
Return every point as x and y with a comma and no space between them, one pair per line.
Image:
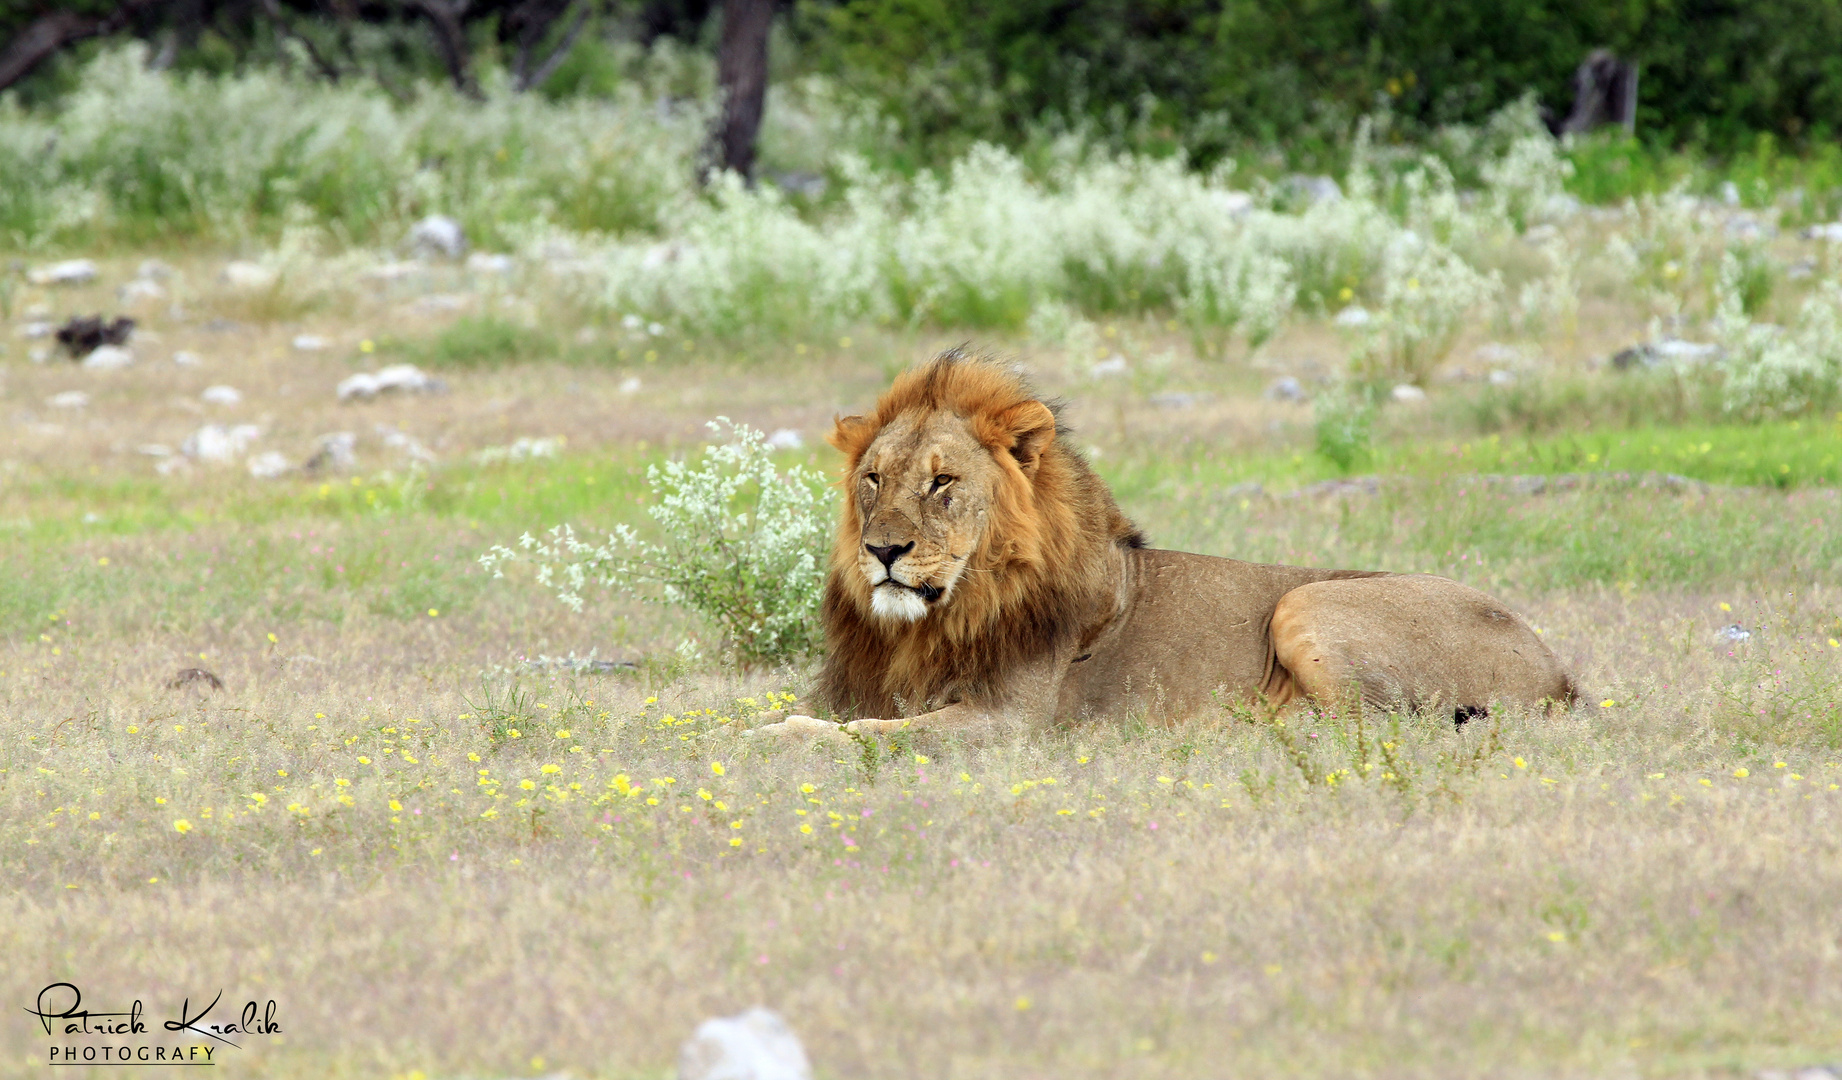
1646,887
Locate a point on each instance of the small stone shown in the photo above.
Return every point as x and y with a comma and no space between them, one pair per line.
249,276
1733,634
1112,365
153,270
221,395
310,343
38,328
482,263
438,236
1286,389
1832,232
1177,400
268,465
407,378
154,449
108,358
187,359
1407,393
339,450
1354,315
218,443
630,385
140,289
68,272
755,1045
1502,378
69,399
84,333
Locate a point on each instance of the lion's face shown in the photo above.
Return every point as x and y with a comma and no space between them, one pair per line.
924,491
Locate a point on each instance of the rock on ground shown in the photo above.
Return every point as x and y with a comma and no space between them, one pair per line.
755,1045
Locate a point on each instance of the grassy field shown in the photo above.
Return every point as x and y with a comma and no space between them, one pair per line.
442,861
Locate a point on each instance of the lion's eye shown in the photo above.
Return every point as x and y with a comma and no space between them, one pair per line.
872,478
942,481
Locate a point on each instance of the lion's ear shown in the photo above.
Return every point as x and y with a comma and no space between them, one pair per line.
1030,428
851,435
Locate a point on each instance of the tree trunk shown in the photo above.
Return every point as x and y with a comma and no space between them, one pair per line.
1604,92
451,41
741,78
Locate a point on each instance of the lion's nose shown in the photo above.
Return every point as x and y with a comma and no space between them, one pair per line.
888,554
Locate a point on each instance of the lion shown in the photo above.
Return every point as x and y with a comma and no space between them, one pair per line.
983,575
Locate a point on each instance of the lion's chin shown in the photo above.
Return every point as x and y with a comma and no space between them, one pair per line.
897,604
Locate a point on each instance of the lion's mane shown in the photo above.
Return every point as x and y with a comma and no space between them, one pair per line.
1036,581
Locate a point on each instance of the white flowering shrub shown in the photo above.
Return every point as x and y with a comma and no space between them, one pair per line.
1427,293
1773,369
741,542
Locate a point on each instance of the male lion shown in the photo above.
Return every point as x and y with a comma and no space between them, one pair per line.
982,573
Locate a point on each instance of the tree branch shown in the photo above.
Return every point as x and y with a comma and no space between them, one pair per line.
272,9
555,60
49,33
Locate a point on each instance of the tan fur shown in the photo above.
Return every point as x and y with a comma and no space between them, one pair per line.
1012,587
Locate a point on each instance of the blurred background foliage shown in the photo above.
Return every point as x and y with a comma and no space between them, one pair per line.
1208,78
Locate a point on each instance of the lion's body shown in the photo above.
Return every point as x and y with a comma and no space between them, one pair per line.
982,572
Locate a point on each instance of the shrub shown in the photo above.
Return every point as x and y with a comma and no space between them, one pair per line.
742,545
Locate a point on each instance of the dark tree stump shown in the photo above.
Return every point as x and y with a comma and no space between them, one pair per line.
1604,92
741,79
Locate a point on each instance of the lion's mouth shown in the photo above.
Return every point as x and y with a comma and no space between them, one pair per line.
928,593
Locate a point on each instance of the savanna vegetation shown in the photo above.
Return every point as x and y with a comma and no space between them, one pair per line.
456,828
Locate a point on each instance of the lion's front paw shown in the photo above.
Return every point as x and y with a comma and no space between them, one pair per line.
797,725
869,726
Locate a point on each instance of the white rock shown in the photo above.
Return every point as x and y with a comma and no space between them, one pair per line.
438,235
38,355
1354,315
108,358
68,272
630,385
1730,193
1672,349
218,443
631,322
268,465
1112,365
785,439
395,271
221,395
1733,634
339,450
407,443
407,378
755,1045
38,328
1502,378
154,449
187,359
310,343
1831,231
141,289
251,276
481,263
69,399
521,449
1286,389
153,270
655,329
1407,392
